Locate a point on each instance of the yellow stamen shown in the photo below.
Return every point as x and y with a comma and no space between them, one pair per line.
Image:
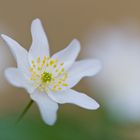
43,73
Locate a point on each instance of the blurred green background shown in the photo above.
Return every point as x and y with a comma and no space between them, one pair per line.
91,125
63,20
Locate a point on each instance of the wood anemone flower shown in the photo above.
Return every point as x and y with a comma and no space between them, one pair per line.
49,79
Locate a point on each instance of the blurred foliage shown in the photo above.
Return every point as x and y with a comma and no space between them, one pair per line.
90,126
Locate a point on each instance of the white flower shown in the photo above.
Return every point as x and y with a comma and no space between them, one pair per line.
49,79
119,49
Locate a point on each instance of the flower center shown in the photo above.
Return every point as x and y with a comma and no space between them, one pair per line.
48,73
46,77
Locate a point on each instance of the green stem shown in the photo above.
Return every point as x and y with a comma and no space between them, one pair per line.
24,111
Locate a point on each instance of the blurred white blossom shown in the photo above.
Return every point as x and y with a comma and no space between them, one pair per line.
119,81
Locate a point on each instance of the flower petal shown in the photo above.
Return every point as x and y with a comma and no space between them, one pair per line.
74,97
40,46
69,54
81,69
20,54
16,78
48,108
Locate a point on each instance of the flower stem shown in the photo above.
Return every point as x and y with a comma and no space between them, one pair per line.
24,111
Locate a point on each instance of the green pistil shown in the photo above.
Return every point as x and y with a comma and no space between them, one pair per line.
46,77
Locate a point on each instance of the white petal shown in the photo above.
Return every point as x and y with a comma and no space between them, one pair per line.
81,69
74,97
69,54
20,54
40,46
16,78
48,108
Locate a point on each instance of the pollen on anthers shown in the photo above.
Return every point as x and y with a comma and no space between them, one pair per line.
48,73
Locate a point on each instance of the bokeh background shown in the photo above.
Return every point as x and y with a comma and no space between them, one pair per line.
108,30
